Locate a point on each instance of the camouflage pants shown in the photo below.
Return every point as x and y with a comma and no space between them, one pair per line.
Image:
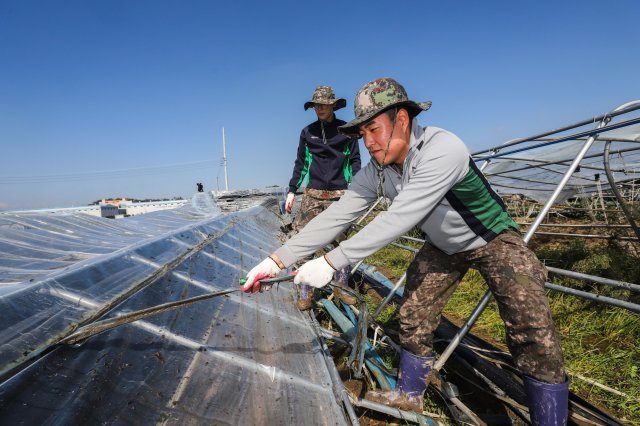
314,202
515,277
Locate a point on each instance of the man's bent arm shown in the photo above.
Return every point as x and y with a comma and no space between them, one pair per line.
428,185
325,227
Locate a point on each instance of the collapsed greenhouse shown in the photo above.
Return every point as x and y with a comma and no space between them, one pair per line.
78,346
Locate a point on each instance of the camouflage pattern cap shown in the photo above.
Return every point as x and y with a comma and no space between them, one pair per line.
378,96
326,96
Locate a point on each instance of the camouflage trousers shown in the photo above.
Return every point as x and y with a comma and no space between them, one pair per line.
515,277
314,202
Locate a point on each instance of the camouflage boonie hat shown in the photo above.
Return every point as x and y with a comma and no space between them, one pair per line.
378,96
326,96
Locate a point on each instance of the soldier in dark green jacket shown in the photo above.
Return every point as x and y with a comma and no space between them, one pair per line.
326,163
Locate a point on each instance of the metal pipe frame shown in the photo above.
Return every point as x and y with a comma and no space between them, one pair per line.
590,133
402,246
577,209
502,185
558,234
612,182
390,295
539,182
584,180
633,307
586,184
487,296
593,278
550,163
623,109
581,181
373,206
630,106
395,412
569,225
563,162
357,224
328,334
572,274
587,236
584,187
338,386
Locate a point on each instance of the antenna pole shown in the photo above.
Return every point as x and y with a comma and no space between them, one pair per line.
224,161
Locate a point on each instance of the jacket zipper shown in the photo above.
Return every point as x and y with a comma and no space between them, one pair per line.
324,138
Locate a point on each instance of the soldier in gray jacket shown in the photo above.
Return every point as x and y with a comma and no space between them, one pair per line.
433,183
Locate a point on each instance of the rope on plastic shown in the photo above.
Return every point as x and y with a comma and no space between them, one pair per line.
104,325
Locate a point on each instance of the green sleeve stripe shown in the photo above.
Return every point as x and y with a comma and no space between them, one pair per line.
346,165
305,169
482,209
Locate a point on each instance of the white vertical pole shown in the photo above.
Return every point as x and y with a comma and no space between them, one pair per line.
224,161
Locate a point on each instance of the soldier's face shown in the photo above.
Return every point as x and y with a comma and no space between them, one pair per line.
324,112
376,134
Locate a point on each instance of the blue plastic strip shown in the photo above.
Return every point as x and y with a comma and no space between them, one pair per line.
386,381
370,272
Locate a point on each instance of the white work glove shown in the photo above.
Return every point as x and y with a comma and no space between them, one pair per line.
288,205
265,269
316,273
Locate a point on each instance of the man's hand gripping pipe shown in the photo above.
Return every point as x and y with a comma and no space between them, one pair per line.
260,282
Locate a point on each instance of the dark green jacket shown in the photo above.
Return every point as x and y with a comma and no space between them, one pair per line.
326,159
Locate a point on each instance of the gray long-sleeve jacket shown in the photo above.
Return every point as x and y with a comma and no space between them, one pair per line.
439,188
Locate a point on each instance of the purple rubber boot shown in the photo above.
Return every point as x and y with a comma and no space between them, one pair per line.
413,372
305,301
342,281
412,382
342,275
548,403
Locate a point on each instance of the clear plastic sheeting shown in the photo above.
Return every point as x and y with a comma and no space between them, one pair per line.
238,359
535,167
33,245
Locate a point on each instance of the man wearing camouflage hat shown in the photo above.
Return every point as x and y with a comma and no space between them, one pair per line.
433,183
327,160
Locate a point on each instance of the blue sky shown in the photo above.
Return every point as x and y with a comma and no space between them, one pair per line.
128,98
